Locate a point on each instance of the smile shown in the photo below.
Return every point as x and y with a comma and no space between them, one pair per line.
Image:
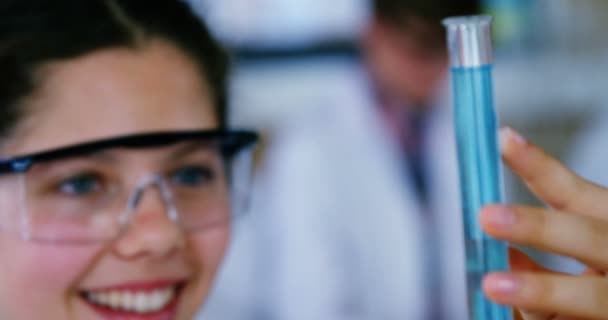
139,301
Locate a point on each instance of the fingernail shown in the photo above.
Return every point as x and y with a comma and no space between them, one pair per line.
508,134
502,283
501,216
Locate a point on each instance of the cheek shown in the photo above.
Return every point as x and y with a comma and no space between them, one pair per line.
207,250
63,262
210,247
39,275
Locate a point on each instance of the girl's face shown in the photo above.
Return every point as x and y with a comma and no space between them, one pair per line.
110,93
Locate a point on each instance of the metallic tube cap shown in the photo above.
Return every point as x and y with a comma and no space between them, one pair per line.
469,40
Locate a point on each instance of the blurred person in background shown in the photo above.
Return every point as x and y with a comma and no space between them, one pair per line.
404,49
334,232
349,179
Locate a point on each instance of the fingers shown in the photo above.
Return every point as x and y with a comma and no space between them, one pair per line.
550,180
569,296
520,262
536,316
523,315
547,295
579,237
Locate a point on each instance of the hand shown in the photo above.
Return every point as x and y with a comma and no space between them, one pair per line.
575,225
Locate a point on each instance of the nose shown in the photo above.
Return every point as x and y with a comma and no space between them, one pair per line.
152,231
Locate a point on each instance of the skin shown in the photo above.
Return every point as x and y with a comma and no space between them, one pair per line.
574,225
108,93
400,65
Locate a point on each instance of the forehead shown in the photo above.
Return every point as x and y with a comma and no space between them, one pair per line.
113,92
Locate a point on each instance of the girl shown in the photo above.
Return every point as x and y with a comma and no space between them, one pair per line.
116,160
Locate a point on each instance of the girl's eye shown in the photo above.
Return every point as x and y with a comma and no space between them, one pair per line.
192,176
80,185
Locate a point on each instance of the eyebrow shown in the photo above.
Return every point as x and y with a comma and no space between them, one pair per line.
102,156
189,148
178,155
175,152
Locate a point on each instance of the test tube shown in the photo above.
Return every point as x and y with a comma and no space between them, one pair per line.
470,51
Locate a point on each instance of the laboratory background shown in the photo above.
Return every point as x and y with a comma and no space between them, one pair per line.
335,228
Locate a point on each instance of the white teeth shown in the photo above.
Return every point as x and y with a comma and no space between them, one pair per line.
115,299
138,302
141,302
128,301
104,298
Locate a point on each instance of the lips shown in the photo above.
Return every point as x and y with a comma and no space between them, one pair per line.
136,301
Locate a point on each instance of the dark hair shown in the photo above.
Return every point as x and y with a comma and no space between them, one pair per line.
34,33
408,14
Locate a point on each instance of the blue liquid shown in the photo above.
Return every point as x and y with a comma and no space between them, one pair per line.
480,179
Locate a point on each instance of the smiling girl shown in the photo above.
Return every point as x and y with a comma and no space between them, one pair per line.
116,161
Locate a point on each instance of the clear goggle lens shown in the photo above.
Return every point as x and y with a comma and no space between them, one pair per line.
95,196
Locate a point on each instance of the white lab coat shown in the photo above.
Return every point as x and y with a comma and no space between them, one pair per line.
588,157
445,205
335,233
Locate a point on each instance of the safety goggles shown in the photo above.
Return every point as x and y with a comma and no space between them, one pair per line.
90,192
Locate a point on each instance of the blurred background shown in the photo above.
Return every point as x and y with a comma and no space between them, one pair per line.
328,214
550,67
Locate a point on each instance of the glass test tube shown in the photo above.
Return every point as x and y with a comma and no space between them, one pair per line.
470,50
